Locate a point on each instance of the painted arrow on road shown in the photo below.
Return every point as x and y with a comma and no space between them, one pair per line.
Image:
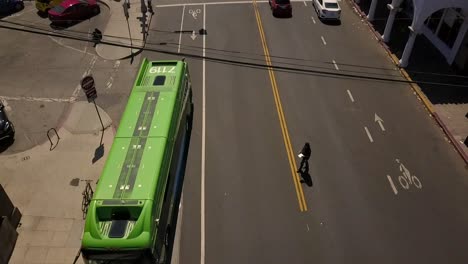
193,36
380,121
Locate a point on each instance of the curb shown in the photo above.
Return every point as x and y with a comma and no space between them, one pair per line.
139,49
428,105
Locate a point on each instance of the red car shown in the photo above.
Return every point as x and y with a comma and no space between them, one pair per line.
71,11
281,7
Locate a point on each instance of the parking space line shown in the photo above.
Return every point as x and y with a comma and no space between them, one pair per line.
181,27
369,135
323,40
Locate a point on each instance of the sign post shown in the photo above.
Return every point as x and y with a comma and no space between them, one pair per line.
89,88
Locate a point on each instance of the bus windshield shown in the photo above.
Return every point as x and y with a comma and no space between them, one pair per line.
126,257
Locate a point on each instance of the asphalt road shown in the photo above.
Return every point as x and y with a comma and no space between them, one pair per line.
357,209
240,201
41,75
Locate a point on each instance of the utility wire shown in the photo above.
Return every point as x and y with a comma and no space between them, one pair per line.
261,56
239,63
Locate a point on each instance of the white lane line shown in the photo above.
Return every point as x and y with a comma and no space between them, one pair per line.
350,96
336,65
223,3
305,3
313,19
181,26
202,220
391,184
323,40
369,135
70,47
37,99
308,228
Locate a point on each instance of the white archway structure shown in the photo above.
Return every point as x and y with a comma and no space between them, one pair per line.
422,9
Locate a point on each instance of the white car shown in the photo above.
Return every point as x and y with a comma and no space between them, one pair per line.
327,9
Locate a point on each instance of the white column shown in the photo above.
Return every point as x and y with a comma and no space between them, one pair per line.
408,48
389,25
371,14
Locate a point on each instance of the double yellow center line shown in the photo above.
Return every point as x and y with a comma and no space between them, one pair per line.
279,108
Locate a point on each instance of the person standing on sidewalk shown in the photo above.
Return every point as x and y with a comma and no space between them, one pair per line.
305,155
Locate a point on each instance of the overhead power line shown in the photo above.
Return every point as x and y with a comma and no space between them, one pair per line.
329,74
237,54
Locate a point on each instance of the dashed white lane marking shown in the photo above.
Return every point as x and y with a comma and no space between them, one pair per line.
308,228
313,19
391,184
369,135
305,3
350,96
323,40
336,65
37,99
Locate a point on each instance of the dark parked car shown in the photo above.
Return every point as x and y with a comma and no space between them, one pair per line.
7,130
10,6
281,7
70,11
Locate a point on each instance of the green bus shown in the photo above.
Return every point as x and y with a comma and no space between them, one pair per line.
132,215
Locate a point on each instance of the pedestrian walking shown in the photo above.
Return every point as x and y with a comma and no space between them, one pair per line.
304,155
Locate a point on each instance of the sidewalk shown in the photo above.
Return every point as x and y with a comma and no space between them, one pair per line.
448,104
119,30
47,185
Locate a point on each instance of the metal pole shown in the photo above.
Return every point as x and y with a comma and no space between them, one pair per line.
97,110
131,42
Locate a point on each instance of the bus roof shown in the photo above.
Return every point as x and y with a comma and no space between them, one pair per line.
132,169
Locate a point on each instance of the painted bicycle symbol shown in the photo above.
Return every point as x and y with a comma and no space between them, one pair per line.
194,13
406,179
